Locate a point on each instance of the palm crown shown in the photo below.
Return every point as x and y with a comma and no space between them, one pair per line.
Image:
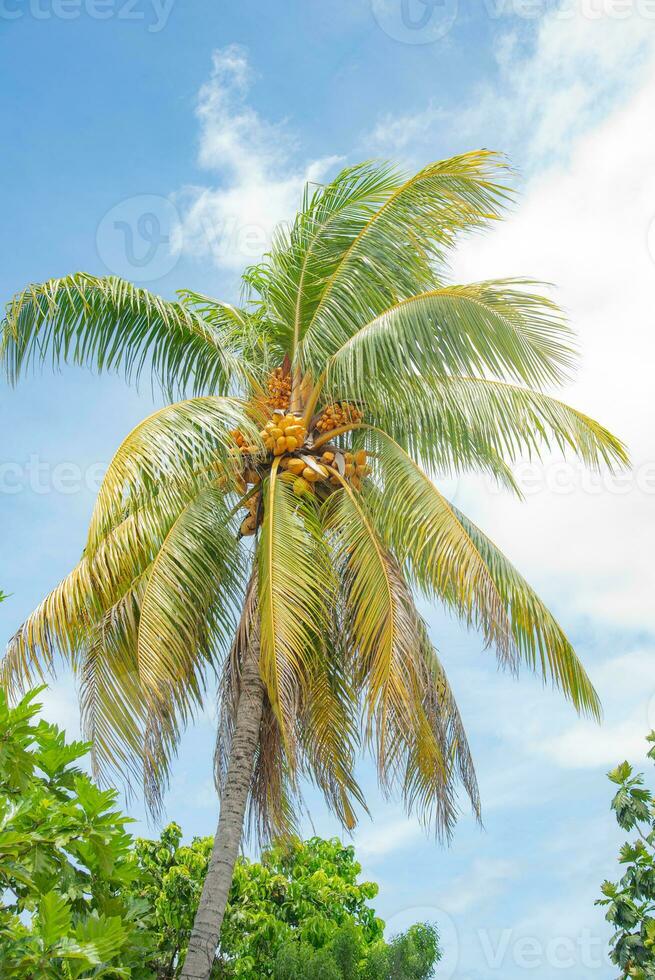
291,492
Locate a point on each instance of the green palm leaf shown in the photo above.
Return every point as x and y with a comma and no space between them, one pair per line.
454,424
186,617
393,254
449,558
486,328
169,456
108,324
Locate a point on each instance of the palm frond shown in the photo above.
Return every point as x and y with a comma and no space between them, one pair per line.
410,715
424,790
187,610
455,424
328,730
169,457
377,626
296,594
537,635
303,257
245,332
62,622
113,709
393,255
108,324
496,329
449,558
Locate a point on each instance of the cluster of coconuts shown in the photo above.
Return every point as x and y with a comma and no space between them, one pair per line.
334,416
284,433
242,442
279,390
306,474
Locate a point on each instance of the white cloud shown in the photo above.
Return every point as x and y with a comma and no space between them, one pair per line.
259,182
485,879
584,226
555,76
378,840
627,688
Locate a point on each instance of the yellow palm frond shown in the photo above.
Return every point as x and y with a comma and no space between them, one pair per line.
187,609
450,558
169,456
296,594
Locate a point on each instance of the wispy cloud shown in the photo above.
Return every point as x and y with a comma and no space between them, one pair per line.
485,879
259,180
378,840
554,78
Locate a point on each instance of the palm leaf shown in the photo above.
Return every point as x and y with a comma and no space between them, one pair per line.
186,616
303,257
169,457
295,598
454,424
449,558
410,715
62,621
487,328
113,708
108,324
377,625
392,255
425,791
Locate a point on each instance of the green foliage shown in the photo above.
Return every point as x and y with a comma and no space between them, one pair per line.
169,881
300,913
630,902
411,956
81,898
65,861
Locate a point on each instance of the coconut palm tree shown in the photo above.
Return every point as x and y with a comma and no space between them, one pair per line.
276,523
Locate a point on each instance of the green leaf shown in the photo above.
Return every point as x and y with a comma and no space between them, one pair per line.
53,918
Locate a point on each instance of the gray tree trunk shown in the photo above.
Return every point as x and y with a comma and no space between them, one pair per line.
209,917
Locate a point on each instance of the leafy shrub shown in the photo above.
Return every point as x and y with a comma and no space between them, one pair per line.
630,902
81,898
65,861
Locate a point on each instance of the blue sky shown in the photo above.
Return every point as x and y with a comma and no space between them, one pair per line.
162,141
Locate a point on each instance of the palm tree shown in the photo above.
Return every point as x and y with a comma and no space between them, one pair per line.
352,373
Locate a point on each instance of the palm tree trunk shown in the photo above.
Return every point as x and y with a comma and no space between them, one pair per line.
209,917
